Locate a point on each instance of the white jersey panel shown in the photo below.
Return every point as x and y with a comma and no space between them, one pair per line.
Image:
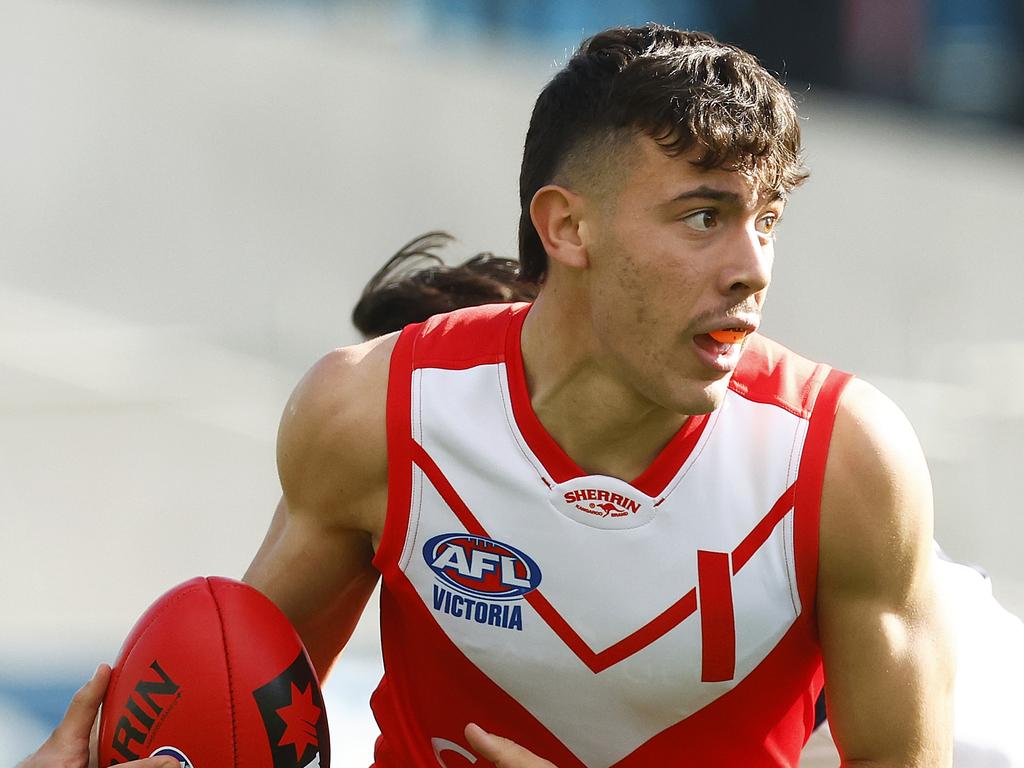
747,463
764,607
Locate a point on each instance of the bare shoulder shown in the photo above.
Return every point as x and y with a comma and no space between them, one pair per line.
332,442
876,507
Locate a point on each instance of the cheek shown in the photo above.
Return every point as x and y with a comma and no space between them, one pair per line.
625,300
639,319
666,291
635,294
643,294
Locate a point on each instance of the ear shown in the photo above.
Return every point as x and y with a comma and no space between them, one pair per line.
555,213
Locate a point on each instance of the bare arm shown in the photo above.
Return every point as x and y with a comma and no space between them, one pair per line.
315,562
888,659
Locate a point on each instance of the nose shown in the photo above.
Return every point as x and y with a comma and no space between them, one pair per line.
747,269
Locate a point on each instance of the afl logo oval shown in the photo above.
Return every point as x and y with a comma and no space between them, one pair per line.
173,752
481,567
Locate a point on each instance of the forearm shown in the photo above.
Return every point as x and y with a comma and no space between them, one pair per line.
320,579
891,694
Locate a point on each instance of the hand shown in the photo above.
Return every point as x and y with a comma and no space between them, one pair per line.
68,745
501,751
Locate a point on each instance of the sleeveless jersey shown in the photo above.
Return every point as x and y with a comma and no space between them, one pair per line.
668,621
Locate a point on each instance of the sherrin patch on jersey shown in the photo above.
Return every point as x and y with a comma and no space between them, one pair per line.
602,502
480,579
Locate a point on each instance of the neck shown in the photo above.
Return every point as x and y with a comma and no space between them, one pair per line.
596,417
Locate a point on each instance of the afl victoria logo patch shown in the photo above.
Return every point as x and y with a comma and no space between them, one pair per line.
479,579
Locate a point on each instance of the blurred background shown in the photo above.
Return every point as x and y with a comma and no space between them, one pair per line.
193,194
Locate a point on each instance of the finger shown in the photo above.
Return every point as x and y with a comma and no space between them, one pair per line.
481,741
83,707
503,752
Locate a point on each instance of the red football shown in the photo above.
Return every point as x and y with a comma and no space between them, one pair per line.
215,675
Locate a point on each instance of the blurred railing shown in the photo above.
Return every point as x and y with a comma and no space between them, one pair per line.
955,57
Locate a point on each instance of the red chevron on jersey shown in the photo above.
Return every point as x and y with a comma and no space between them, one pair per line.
668,620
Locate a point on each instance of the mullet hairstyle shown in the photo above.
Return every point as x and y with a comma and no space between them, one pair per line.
682,89
415,283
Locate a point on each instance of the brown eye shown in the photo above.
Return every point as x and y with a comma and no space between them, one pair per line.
766,224
701,220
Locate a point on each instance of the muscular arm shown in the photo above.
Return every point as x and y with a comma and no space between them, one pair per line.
315,562
888,660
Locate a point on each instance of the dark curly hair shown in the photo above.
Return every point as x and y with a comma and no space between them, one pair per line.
682,89
415,283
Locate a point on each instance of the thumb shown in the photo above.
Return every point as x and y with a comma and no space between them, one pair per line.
84,705
504,753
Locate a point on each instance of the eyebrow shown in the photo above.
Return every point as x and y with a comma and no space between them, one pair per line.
704,192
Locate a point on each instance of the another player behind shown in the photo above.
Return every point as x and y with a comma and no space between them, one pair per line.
415,284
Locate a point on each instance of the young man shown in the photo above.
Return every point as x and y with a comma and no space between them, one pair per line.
415,283
617,525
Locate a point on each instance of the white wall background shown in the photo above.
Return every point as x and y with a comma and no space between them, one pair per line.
192,196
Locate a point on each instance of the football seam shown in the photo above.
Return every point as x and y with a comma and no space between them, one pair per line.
227,664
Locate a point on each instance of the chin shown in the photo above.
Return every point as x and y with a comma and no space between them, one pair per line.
700,397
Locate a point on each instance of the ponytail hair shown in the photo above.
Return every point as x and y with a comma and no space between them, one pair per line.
415,283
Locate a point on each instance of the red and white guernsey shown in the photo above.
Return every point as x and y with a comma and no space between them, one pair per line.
664,622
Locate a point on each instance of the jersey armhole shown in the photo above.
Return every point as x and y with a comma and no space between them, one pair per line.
399,440
810,481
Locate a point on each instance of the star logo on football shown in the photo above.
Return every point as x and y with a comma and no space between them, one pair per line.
293,715
300,719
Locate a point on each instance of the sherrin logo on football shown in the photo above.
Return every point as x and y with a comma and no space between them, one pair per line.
151,698
480,579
